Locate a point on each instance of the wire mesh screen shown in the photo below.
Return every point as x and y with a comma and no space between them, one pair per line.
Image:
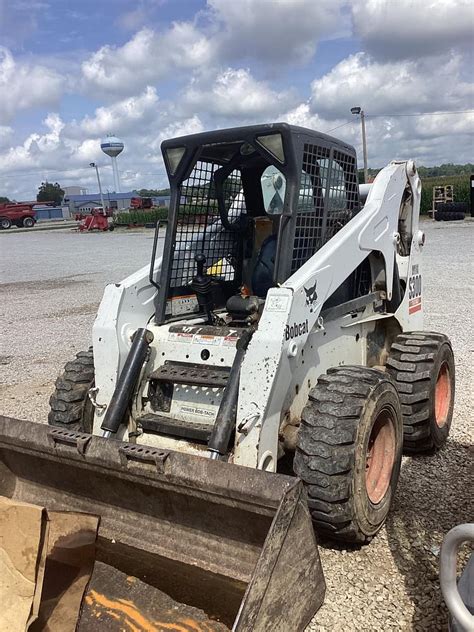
328,196
346,164
199,228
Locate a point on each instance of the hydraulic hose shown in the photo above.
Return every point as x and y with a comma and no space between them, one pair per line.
127,382
226,415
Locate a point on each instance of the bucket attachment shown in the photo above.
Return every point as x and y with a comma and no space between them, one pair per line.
184,542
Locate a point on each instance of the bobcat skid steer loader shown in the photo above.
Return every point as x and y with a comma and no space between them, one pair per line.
267,369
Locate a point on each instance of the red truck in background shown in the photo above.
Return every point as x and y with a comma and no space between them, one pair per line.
19,213
137,203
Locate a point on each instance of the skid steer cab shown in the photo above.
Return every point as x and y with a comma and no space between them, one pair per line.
280,333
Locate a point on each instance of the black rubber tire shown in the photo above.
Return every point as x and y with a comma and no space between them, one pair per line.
449,216
70,406
331,453
28,222
111,227
5,223
453,207
415,363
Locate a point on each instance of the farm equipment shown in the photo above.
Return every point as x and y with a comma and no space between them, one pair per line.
140,203
96,220
21,214
278,338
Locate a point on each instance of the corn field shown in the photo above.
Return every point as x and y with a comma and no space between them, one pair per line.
140,218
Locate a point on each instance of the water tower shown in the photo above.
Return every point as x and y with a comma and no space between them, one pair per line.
113,146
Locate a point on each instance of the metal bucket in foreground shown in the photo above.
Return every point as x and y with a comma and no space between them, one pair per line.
177,532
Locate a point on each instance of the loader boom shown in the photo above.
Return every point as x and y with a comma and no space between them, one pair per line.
291,317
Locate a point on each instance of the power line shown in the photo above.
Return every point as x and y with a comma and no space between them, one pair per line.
398,115
420,114
342,125
45,171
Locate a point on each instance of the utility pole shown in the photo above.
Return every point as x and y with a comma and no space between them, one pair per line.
93,164
359,110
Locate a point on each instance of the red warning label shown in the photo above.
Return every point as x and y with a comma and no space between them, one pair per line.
414,305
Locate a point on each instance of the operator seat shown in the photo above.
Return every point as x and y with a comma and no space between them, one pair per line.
262,276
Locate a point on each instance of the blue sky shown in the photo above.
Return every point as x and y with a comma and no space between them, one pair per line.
71,72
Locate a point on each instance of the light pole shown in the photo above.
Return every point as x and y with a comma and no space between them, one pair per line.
93,164
359,110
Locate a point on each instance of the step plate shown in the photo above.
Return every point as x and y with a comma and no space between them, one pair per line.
192,374
175,427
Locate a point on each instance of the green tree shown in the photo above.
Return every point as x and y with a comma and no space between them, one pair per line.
49,192
153,192
3,200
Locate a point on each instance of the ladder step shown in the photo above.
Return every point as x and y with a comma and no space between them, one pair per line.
176,428
192,374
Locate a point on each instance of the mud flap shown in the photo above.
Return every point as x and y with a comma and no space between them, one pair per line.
177,532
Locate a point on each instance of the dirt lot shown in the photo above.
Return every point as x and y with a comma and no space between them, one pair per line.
50,286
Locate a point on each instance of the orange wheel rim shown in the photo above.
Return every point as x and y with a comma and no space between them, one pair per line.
442,398
380,457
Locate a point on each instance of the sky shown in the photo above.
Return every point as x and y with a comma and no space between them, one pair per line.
72,72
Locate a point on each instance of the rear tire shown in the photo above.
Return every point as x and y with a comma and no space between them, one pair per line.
70,406
422,367
5,223
28,222
349,451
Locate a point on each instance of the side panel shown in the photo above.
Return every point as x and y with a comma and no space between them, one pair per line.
410,311
125,307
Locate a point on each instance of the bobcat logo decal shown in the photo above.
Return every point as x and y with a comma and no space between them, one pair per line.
311,296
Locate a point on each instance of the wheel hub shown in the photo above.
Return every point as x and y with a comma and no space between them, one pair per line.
442,395
380,457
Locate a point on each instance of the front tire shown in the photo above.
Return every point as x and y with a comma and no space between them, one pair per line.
349,451
70,406
422,366
5,223
28,222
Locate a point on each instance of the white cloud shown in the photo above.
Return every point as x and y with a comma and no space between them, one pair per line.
406,29
279,31
63,151
282,31
191,125
425,85
146,58
24,85
127,115
234,94
6,135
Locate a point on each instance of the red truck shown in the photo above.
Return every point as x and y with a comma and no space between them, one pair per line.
19,213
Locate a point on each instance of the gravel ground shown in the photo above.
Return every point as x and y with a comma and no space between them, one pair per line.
50,288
